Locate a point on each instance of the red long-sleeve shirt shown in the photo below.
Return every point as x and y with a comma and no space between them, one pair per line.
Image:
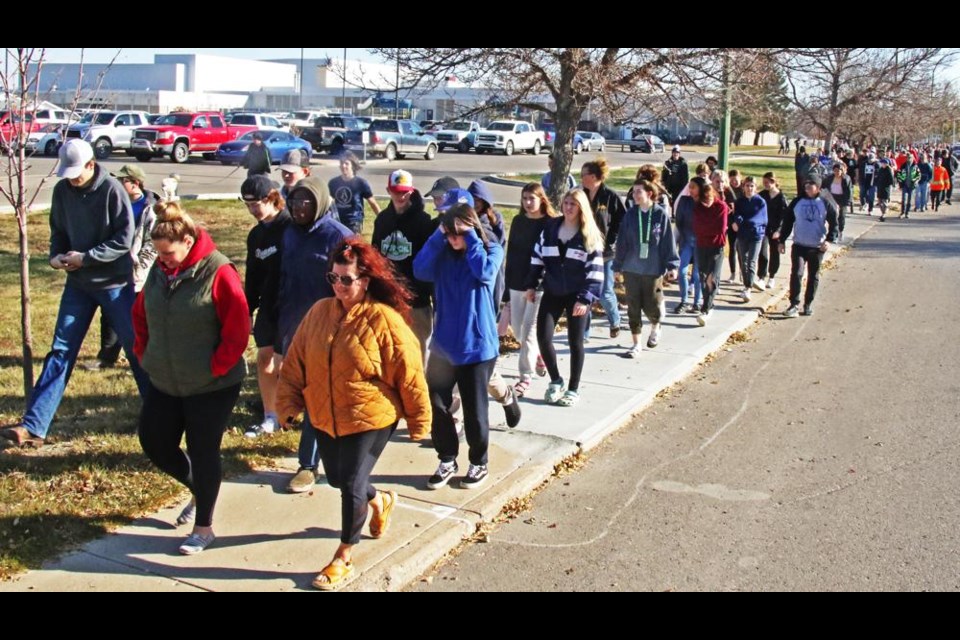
228,299
710,223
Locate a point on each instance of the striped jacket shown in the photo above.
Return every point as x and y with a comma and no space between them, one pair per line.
571,270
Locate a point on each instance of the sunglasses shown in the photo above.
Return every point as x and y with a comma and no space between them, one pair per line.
346,281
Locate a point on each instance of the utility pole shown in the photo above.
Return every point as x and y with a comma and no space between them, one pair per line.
343,96
300,100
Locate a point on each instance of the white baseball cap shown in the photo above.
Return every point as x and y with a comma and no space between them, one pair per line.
74,156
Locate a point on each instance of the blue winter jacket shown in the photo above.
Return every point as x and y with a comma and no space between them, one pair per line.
465,326
750,214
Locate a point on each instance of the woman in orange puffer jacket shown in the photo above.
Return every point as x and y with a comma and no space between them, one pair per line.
356,368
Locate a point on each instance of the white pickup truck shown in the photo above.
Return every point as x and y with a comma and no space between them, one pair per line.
509,136
461,135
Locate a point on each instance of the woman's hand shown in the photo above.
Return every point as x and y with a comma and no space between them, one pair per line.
579,310
531,295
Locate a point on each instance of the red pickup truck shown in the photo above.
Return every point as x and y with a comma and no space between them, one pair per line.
10,126
180,134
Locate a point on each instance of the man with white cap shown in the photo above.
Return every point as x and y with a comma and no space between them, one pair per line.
91,234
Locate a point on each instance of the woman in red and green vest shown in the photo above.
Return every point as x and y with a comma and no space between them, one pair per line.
192,325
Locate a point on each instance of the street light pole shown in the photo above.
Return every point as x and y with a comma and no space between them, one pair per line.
396,92
300,100
343,96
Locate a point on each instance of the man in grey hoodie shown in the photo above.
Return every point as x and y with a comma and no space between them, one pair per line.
91,234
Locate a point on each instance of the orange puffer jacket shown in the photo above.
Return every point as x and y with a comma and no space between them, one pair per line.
355,372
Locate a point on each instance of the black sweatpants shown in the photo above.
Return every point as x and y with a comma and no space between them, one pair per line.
472,380
812,258
348,462
551,309
165,419
769,263
733,255
710,260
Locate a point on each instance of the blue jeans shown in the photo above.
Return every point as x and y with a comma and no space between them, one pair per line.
608,299
309,452
906,197
77,308
923,193
688,256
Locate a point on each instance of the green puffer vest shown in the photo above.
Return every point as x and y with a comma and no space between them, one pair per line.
184,330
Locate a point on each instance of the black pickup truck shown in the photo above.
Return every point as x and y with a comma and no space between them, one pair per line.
328,133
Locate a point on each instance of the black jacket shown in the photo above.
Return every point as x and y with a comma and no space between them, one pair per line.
608,211
264,248
400,237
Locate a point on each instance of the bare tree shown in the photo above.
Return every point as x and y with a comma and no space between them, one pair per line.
623,84
826,84
20,80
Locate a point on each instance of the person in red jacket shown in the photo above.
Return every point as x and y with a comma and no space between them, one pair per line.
192,324
940,184
710,216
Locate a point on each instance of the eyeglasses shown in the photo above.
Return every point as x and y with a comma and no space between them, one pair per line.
346,281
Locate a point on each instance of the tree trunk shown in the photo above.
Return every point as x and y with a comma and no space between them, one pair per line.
568,117
26,328
756,138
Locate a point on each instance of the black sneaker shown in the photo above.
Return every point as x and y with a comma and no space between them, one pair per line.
442,475
680,308
512,411
808,310
476,475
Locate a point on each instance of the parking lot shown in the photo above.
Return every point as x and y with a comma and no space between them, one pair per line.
202,177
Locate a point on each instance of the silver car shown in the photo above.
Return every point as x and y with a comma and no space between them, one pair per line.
592,141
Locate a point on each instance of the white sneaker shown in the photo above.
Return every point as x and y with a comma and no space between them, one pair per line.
745,295
269,425
759,285
654,338
771,283
703,317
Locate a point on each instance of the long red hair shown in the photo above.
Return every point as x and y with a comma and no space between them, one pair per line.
386,285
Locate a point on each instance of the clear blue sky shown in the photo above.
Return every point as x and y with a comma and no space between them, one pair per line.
146,55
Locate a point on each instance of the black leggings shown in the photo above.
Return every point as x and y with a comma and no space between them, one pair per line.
732,255
551,309
348,462
163,421
710,260
769,263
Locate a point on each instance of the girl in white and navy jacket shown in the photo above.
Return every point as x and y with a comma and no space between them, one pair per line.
568,262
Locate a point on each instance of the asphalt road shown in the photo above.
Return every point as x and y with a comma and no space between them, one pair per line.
820,455
205,177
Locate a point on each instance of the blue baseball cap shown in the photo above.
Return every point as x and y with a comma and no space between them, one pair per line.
454,197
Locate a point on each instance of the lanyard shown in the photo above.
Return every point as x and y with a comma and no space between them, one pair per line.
645,232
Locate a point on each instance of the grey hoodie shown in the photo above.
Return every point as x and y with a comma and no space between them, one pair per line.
96,220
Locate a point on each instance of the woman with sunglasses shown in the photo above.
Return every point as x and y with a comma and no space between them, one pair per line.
463,264
353,401
307,246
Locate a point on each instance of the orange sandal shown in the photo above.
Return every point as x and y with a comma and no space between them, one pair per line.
380,524
333,576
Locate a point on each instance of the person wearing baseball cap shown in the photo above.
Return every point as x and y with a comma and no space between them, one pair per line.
142,201
294,168
399,233
463,263
91,234
440,188
264,244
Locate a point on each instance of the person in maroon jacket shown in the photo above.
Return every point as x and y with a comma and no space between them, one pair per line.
710,216
192,324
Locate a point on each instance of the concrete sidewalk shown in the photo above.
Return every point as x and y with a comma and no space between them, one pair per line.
273,541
